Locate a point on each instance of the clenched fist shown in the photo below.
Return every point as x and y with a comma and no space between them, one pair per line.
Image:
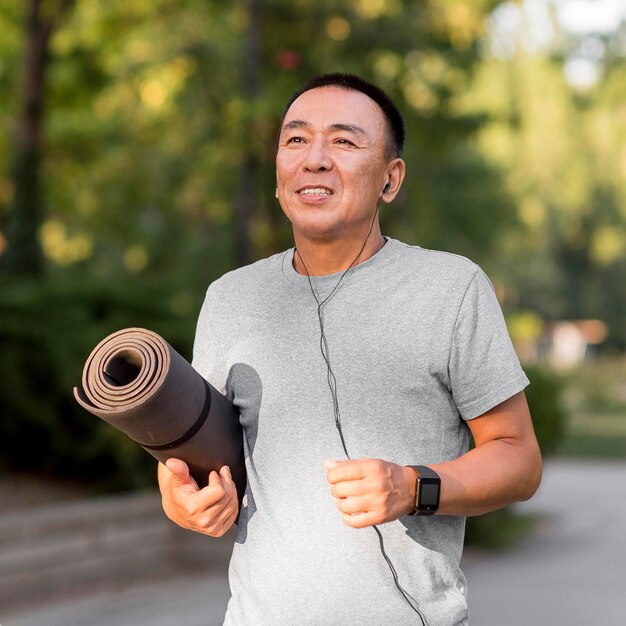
371,491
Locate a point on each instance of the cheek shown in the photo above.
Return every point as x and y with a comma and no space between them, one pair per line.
286,165
363,174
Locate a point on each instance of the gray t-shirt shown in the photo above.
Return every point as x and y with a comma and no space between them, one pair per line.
418,345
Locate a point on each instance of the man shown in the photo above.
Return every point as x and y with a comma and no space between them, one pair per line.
354,344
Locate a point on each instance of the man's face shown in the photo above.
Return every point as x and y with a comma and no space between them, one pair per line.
332,163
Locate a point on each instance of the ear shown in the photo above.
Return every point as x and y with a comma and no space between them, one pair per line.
276,191
396,170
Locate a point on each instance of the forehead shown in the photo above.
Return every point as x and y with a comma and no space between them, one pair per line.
326,106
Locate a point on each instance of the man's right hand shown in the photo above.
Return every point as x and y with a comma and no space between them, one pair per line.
211,510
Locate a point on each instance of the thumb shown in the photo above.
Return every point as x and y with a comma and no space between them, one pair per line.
331,464
180,471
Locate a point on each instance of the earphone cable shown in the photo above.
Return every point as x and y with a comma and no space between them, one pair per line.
332,384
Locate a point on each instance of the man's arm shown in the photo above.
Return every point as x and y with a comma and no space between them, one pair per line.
211,510
504,467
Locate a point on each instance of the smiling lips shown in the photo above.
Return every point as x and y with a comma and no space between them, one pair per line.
314,193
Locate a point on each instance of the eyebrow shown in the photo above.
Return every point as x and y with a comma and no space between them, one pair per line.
350,128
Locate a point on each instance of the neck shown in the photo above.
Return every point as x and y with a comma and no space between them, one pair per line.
323,257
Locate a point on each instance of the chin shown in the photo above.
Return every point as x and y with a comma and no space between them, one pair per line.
318,229
314,225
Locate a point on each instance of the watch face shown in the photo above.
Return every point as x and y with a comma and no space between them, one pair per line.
429,493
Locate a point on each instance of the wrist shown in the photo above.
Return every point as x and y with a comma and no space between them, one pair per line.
411,475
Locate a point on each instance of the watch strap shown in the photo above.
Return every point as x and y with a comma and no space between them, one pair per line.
433,480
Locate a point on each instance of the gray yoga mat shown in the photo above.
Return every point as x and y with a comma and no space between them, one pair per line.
138,383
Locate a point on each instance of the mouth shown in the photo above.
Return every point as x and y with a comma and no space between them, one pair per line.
314,192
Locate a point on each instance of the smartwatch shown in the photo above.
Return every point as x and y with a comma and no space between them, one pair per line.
427,490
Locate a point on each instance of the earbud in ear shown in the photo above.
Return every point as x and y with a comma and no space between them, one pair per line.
387,187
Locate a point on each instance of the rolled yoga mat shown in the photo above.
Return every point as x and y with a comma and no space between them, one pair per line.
138,383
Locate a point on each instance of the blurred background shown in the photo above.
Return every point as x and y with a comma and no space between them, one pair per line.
137,149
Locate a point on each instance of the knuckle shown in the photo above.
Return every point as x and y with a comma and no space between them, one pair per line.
379,465
189,509
378,483
385,505
217,530
204,521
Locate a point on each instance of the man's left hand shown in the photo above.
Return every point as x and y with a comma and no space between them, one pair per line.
371,491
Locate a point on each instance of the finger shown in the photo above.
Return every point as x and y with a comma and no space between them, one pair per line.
180,473
220,511
352,506
227,477
349,488
210,495
232,518
228,482
347,470
225,522
226,512
361,520
214,479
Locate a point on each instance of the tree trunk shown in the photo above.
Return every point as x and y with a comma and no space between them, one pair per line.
23,255
247,192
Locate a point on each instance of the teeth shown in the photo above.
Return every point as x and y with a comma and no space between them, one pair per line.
318,191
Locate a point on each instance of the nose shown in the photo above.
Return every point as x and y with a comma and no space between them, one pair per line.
317,158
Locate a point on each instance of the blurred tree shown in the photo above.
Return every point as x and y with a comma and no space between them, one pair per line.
163,120
245,196
158,170
23,254
560,150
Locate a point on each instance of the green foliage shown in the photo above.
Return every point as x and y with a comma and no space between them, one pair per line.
148,123
498,530
588,441
545,400
596,401
149,120
597,387
150,117
562,158
47,330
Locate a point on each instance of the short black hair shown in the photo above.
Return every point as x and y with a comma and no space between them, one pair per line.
395,123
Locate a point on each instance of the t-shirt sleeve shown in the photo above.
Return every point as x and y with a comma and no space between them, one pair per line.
208,358
484,368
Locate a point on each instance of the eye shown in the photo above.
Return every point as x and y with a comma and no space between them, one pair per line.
294,140
343,141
